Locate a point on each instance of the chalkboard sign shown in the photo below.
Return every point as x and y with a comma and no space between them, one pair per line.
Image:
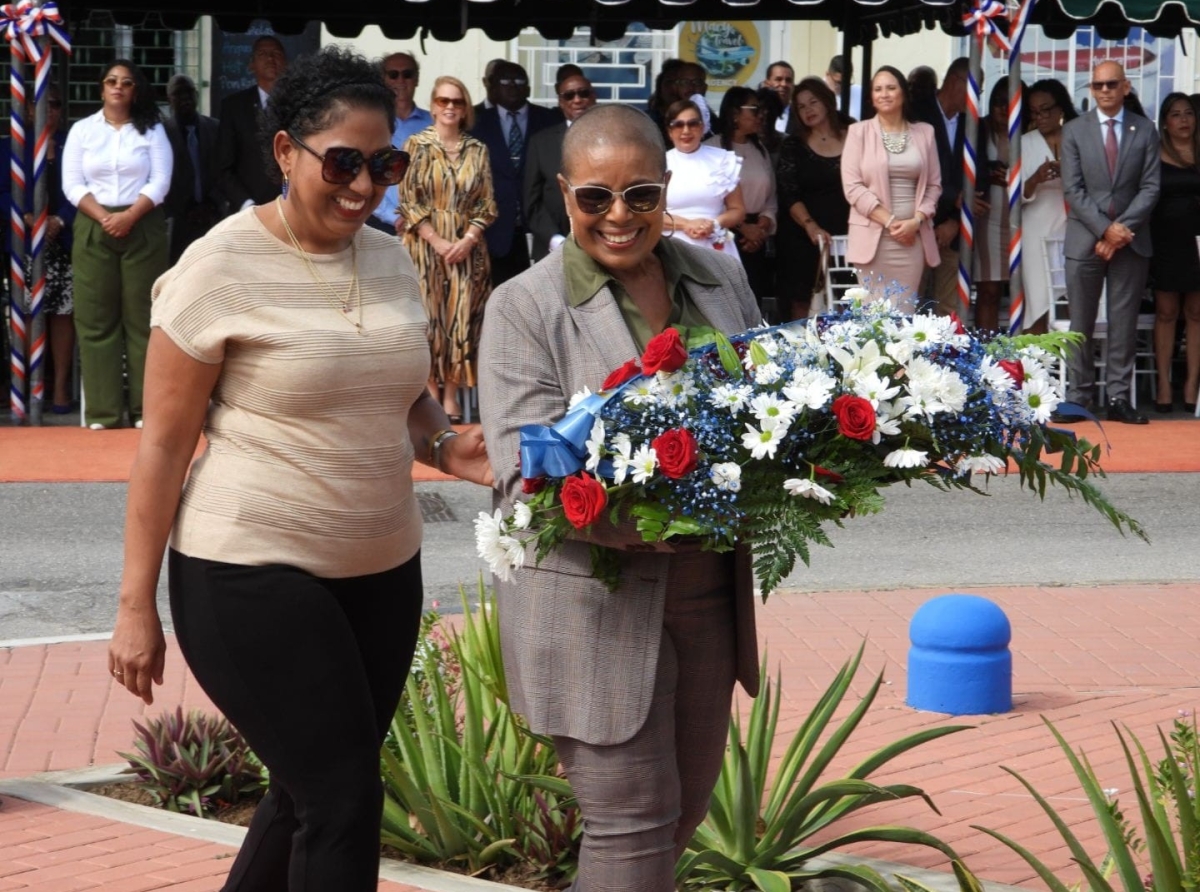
231,55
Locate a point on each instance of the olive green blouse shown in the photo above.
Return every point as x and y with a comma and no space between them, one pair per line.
585,278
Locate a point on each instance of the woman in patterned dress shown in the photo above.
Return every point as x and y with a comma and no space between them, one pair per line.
446,199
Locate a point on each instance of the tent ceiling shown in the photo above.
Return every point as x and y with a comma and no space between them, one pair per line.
504,19
1162,18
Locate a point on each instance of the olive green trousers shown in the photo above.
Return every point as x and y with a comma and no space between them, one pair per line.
112,280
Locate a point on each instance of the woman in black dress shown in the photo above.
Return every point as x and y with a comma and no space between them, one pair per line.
1175,265
812,204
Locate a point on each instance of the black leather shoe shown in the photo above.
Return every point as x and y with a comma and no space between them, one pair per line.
1057,417
1120,410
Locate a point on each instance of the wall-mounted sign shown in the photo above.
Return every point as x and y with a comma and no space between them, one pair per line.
731,52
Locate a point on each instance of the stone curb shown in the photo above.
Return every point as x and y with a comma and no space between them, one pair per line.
58,789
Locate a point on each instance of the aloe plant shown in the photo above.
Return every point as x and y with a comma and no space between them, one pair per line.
465,781
193,762
1167,806
755,838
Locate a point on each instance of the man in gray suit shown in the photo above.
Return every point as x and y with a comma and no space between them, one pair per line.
544,207
1110,171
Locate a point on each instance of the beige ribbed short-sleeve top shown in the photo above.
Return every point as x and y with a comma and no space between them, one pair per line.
309,461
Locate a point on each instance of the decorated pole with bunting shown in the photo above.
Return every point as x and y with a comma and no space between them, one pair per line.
980,21
1018,20
29,27
18,334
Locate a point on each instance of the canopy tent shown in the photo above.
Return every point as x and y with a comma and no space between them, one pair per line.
504,19
1113,19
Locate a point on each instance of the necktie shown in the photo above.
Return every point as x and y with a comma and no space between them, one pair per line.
516,144
193,146
1110,146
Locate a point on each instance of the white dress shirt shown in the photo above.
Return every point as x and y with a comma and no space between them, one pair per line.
115,165
1119,117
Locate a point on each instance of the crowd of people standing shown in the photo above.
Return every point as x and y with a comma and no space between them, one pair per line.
342,265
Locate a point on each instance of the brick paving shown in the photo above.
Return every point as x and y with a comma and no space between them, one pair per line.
1084,658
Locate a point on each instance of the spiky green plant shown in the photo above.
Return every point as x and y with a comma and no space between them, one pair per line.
760,838
1168,809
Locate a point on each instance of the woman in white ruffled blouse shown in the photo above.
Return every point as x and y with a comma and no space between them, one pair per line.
704,198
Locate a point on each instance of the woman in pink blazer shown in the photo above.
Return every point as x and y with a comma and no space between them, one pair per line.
892,180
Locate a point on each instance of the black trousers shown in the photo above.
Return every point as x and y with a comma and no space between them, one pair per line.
515,262
310,671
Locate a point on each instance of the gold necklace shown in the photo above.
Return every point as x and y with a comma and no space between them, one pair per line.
343,305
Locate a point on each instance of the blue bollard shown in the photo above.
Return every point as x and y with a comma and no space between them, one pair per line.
959,662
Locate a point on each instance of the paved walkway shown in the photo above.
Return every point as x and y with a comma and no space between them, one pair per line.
1083,658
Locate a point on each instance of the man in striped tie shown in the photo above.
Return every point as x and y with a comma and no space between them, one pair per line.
1110,173
505,129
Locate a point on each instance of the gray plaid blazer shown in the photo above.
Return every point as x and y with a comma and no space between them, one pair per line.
581,660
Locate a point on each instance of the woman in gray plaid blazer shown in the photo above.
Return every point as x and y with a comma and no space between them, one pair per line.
635,686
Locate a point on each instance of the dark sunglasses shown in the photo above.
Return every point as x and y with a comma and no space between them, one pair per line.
112,80
512,82
689,81
750,108
571,95
643,198
394,74
341,165
686,124
1105,85
446,102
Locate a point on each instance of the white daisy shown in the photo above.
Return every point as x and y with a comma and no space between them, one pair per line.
489,544
727,475
579,397
644,462
906,458
522,516
998,380
514,551
808,489
643,392
594,445
730,396
763,442
1041,399
676,388
768,373
874,388
769,407
621,448
980,464
887,422
810,388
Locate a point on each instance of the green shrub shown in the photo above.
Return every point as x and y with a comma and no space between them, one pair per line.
1166,805
755,839
193,763
465,781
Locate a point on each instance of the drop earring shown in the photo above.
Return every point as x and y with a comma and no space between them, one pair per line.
284,189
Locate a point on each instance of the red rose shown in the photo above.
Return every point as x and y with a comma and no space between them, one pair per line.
855,415
1015,370
677,452
532,485
583,500
631,369
665,352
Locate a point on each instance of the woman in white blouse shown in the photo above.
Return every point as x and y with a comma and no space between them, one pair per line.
116,170
704,199
738,132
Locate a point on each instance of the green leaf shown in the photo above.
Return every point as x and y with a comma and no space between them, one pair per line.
769,880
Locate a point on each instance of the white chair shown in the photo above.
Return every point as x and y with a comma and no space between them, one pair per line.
840,275
1055,260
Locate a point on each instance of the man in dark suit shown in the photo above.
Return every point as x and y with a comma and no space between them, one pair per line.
489,90
544,207
1111,178
506,129
241,164
193,203
781,77
944,111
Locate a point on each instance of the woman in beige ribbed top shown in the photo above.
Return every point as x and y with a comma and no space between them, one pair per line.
295,338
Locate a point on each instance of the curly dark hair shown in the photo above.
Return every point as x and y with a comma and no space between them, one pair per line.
316,91
143,111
